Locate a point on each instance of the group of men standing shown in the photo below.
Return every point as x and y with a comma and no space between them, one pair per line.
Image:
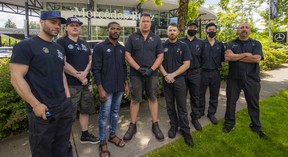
55,78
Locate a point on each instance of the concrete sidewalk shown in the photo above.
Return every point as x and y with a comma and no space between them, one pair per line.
144,140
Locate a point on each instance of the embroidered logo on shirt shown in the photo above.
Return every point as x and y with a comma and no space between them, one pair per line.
197,47
166,49
84,47
179,51
121,51
60,55
45,50
108,50
70,46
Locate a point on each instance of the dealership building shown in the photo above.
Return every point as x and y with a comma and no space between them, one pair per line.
96,14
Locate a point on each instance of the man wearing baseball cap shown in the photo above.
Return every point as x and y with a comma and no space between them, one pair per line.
193,74
37,74
78,58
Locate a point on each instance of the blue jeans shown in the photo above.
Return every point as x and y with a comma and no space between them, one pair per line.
112,104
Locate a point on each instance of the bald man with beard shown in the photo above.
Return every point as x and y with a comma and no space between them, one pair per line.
243,55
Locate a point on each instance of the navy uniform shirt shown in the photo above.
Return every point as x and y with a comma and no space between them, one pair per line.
241,70
212,55
109,66
77,54
196,49
45,74
174,55
144,52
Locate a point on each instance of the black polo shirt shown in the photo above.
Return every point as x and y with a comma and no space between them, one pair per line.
174,55
241,70
77,54
212,55
45,73
144,52
109,66
196,49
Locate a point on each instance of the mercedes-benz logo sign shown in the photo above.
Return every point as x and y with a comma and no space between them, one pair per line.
279,37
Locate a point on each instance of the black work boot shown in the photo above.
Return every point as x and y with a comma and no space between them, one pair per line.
130,132
187,138
157,132
196,124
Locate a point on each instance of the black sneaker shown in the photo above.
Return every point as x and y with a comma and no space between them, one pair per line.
172,132
89,138
196,124
188,139
213,119
157,132
227,129
130,132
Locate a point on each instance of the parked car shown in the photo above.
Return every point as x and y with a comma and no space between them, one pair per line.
5,52
92,43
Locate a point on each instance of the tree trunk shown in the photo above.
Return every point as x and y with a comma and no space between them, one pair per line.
182,15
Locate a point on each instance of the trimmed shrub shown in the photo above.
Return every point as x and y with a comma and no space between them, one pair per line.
13,117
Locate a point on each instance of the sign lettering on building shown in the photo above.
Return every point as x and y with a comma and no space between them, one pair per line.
105,15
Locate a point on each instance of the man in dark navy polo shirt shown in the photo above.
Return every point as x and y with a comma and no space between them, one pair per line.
37,75
176,61
193,74
244,55
110,74
213,55
77,67
144,53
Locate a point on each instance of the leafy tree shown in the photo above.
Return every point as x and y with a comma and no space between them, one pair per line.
10,24
34,25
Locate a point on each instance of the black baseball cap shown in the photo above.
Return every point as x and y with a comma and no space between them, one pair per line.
73,20
192,22
51,14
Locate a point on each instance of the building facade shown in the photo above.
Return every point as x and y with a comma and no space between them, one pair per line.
96,14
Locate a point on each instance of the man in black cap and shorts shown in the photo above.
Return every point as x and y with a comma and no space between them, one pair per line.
77,67
37,74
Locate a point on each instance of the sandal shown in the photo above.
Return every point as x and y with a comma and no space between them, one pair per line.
117,141
103,150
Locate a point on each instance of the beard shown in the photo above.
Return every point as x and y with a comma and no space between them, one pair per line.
114,36
50,32
172,37
243,34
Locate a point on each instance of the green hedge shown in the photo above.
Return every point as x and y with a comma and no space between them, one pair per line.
13,117
12,110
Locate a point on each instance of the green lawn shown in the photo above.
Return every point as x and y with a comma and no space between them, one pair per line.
241,142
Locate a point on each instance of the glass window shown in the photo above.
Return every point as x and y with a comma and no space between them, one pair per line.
129,10
68,6
119,9
53,6
127,31
82,5
103,8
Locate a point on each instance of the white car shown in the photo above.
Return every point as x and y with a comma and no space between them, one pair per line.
92,43
5,52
